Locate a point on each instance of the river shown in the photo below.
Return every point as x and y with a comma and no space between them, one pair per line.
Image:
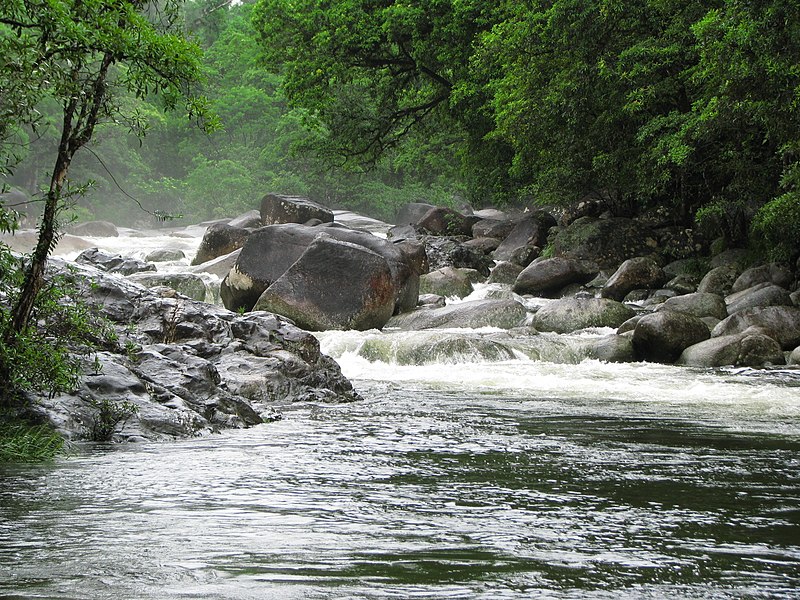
456,478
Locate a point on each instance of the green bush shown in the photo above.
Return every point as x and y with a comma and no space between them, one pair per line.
776,228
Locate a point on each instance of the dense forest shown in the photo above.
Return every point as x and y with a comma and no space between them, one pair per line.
687,106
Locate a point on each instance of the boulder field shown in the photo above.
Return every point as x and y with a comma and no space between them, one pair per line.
654,281
656,293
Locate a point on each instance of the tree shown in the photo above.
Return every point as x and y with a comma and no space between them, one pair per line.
87,54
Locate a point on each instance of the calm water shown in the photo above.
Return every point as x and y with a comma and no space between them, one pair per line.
475,483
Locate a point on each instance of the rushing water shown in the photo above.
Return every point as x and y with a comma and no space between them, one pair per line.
451,479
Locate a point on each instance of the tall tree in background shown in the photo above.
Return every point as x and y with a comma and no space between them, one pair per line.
85,55
687,105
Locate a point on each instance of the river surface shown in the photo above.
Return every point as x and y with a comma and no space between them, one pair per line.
451,479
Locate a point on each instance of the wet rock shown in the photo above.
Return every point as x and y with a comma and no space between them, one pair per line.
445,221
271,250
613,348
762,294
547,276
699,304
482,244
781,323
219,266
188,368
113,263
794,357
95,229
771,273
451,252
333,285
750,348
662,336
572,314
683,284
503,314
634,273
605,242
249,220
448,282
493,228
220,239
719,280
165,255
505,272
530,230
412,212
431,300
277,209
185,283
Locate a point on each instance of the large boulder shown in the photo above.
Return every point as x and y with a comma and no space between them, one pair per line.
333,285
277,208
493,228
637,273
219,266
699,304
719,280
770,273
750,348
547,276
572,314
474,314
113,263
447,281
662,336
412,212
271,250
451,252
95,229
781,323
442,220
794,357
218,240
249,220
504,272
530,230
606,242
762,294
187,284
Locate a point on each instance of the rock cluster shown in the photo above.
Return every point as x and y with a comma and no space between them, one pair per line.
185,367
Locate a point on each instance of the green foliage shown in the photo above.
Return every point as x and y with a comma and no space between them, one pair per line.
21,441
46,356
108,416
776,228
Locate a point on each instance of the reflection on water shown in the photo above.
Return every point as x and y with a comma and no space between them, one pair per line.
424,492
